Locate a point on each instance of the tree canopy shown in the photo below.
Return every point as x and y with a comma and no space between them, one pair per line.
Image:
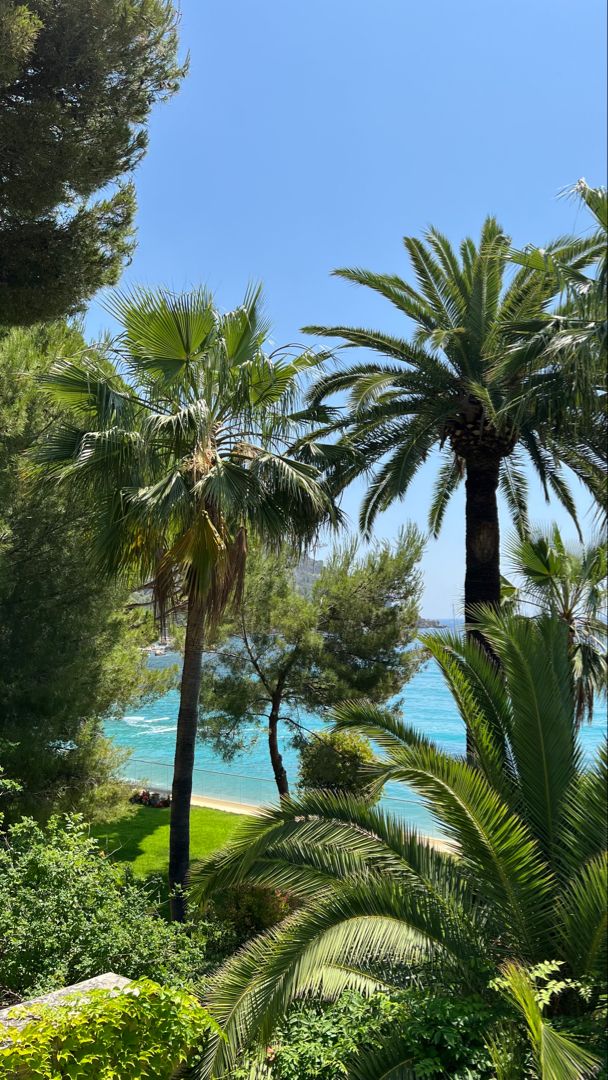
69,653
283,651
78,79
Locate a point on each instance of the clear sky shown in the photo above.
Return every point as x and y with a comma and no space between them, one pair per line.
316,134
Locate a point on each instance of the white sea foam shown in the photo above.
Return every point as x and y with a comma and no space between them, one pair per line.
162,730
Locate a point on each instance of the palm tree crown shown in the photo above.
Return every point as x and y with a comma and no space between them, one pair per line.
183,435
464,383
570,583
525,882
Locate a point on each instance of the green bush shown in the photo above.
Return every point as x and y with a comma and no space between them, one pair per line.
141,1031
67,914
446,1035
337,761
245,910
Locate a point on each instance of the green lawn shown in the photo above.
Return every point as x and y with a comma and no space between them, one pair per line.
143,838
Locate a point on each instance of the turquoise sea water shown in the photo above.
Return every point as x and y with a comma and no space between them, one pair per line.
427,705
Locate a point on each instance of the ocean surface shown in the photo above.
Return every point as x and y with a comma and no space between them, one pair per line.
427,705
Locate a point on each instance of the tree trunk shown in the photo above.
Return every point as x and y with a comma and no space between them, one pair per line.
278,768
185,742
482,578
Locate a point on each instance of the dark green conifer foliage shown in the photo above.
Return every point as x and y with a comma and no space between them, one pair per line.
78,79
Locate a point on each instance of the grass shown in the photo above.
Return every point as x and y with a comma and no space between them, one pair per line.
142,839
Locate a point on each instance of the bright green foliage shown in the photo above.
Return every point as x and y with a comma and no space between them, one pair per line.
69,653
527,880
443,1036
77,81
142,1031
67,913
283,650
557,1057
19,28
569,583
336,761
142,838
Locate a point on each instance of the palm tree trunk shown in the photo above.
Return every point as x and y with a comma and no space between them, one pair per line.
482,577
276,759
185,742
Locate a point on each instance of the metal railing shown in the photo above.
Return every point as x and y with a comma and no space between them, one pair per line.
206,783
233,787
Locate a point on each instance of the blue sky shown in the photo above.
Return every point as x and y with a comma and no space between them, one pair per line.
314,135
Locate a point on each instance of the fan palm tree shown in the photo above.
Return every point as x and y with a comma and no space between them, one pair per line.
468,384
183,437
569,583
525,880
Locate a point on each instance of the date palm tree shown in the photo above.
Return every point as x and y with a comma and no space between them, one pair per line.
572,339
468,383
183,436
524,881
570,583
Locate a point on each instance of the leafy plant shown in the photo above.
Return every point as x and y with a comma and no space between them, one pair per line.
140,1031
337,761
442,1036
526,879
557,1056
67,913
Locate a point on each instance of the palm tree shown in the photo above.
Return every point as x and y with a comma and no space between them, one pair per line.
580,322
466,382
569,583
571,340
183,437
524,881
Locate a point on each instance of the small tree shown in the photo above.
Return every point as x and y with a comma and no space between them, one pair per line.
284,651
336,761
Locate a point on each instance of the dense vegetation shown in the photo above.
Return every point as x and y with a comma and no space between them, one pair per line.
69,913
180,472
526,882
70,654
144,1032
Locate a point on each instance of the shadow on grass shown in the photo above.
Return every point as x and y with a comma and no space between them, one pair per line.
142,838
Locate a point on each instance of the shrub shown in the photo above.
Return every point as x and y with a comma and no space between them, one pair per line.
68,914
246,910
446,1035
141,1031
337,761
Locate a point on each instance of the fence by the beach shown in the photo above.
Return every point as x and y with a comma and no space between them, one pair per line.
232,787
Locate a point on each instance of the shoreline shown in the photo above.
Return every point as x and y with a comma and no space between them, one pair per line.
228,806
